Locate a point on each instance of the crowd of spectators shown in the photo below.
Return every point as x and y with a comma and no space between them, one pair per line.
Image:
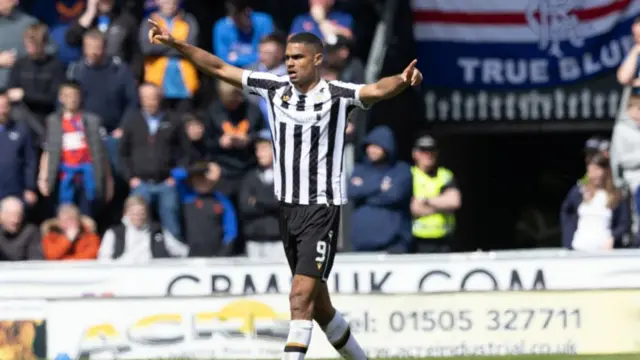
601,211
108,154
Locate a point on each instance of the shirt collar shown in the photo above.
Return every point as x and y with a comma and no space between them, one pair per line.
320,85
148,116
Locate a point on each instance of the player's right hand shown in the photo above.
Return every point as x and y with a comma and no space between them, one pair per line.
159,34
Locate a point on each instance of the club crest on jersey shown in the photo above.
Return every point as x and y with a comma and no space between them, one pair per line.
285,98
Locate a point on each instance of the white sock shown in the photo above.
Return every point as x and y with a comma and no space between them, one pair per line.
298,339
339,335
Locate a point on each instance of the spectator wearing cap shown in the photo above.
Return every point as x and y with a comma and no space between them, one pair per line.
211,223
339,64
19,241
324,22
36,77
625,147
380,189
197,147
152,144
594,215
166,67
236,37
233,123
13,23
258,206
271,60
138,239
74,162
19,160
629,71
120,29
435,199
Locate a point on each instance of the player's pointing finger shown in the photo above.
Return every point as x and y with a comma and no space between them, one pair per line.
412,65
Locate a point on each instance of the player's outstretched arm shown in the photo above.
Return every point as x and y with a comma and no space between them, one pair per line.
205,61
391,86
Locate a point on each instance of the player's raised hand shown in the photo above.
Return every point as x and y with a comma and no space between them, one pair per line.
158,34
411,75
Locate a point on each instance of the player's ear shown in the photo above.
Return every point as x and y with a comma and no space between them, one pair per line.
318,58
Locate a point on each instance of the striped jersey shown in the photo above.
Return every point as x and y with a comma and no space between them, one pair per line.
308,132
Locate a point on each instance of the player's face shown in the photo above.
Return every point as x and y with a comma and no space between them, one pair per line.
302,63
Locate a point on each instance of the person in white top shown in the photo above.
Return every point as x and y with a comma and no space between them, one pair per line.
594,215
137,239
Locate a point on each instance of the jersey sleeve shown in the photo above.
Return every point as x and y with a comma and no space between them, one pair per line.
349,92
259,83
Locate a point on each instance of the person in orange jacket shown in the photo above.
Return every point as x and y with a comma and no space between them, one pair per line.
70,236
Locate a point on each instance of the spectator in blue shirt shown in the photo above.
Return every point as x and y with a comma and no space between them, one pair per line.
236,37
325,23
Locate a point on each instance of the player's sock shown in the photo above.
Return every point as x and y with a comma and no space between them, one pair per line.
298,339
339,335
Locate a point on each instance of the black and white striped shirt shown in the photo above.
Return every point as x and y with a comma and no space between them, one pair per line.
308,136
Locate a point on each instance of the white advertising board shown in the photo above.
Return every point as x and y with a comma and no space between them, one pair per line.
391,274
255,327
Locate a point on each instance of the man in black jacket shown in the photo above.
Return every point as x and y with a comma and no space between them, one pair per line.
18,241
119,27
36,77
258,206
108,85
152,144
233,123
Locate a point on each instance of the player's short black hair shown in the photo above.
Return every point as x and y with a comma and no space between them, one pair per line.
307,39
238,5
70,84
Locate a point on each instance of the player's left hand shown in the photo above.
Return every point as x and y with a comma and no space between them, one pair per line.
411,75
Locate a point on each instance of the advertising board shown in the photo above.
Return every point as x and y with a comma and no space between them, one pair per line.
364,274
256,327
22,330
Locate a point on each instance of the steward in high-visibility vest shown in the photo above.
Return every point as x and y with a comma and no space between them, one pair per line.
435,198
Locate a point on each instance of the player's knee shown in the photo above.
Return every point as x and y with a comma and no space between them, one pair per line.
301,304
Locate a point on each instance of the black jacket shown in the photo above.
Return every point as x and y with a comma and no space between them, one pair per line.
151,157
108,89
258,208
24,245
40,80
234,162
121,38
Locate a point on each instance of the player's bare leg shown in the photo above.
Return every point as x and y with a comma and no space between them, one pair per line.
335,326
301,304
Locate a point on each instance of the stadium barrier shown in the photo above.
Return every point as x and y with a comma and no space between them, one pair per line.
398,305
255,327
352,274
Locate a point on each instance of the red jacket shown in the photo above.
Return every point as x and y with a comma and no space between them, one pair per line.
56,245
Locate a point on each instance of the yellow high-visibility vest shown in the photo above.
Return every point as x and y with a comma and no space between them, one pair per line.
436,225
